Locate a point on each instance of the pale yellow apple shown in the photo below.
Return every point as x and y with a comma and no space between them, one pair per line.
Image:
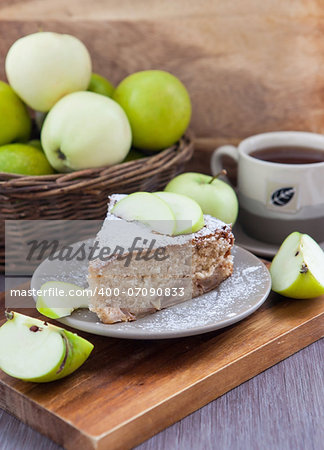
44,66
85,130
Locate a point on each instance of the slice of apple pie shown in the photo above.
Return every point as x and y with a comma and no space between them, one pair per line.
139,271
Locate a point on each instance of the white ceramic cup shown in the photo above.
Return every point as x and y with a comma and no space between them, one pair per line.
277,199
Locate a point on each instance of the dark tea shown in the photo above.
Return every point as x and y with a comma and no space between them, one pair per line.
289,155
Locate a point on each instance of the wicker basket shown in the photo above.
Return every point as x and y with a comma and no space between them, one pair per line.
83,194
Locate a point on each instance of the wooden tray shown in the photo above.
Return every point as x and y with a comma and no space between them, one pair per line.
130,390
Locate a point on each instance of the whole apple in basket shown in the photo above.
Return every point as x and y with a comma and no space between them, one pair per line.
15,123
43,67
85,130
158,107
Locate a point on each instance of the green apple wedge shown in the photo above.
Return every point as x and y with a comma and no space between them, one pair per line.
60,299
188,214
214,196
148,209
297,270
33,350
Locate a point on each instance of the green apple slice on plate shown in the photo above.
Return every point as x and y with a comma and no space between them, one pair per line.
148,209
60,299
297,270
33,350
188,214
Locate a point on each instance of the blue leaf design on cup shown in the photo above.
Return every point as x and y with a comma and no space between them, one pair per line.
282,196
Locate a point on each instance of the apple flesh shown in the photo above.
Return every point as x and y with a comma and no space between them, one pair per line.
44,66
33,350
24,160
15,123
148,209
297,270
188,214
158,107
85,130
60,299
100,85
214,196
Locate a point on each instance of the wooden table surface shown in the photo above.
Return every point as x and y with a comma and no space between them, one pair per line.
282,408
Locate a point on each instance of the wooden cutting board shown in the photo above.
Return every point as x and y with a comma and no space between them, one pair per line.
130,390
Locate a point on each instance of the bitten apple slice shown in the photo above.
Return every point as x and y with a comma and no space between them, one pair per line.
297,271
33,350
60,299
148,209
188,214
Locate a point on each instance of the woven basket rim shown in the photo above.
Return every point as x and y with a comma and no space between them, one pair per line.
88,179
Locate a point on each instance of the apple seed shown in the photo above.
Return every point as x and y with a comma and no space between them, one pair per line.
9,315
34,328
304,268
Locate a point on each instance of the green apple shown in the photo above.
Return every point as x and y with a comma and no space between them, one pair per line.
214,196
33,350
185,210
60,299
23,159
39,119
297,270
15,123
100,85
158,107
35,143
148,209
134,154
44,66
85,130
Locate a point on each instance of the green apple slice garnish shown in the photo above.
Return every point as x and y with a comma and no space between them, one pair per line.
60,299
148,209
33,350
297,270
185,210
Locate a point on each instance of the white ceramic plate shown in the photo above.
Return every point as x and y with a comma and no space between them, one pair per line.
257,247
236,298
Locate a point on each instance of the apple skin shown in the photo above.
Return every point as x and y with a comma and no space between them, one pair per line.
35,143
65,304
149,209
158,107
185,210
217,199
100,85
44,66
15,123
39,119
298,255
24,160
72,352
134,154
85,130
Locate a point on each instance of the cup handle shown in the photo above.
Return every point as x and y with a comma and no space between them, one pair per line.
216,159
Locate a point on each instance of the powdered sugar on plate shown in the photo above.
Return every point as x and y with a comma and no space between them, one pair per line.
236,298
